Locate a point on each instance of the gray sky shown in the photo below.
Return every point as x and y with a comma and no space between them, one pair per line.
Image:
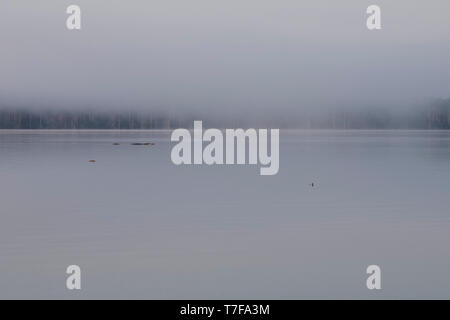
222,54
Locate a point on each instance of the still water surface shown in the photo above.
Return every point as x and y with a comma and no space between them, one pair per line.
141,227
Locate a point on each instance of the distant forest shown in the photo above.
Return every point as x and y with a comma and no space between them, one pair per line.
435,115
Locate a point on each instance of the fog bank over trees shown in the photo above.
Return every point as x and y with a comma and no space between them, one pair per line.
432,115
282,61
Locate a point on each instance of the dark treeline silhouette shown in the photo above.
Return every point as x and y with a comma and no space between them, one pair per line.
26,119
435,115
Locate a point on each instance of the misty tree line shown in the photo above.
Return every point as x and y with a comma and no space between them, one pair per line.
26,119
436,115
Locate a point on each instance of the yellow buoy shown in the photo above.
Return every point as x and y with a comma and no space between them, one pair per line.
91,161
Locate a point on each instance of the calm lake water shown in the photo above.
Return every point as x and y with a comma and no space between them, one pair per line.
141,227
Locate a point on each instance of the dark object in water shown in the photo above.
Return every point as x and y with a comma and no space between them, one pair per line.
116,144
312,184
143,144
